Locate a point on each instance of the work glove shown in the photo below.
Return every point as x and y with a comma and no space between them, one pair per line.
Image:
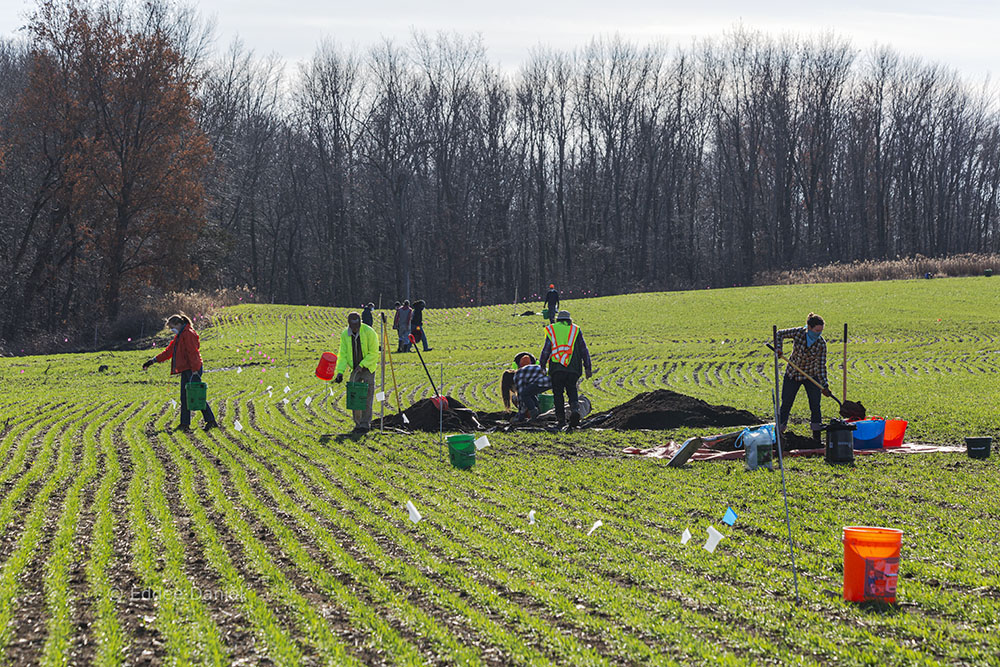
339,378
827,393
148,364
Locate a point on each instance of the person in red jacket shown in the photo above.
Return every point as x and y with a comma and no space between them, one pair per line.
184,354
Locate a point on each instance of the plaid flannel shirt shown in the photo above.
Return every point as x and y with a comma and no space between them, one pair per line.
810,359
531,374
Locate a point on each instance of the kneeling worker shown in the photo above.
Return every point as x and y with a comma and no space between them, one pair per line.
359,353
507,389
567,356
530,380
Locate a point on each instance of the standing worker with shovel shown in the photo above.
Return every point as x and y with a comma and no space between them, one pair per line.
808,359
359,353
567,357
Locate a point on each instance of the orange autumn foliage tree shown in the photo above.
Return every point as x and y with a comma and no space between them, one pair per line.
116,79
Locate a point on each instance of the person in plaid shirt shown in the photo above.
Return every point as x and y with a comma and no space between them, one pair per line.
809,354
530,380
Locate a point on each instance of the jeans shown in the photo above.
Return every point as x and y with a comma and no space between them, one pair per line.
789,389
552,314
404,339
190,376
562,380
528,399
363,418
421,337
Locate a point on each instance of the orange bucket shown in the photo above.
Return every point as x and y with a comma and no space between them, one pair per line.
327,366
895,429
871,563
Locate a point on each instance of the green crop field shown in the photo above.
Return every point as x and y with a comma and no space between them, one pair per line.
287,542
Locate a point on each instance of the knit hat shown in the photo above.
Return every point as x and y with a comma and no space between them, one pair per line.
563,315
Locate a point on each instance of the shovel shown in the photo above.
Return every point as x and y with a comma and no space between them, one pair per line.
848,409
440,402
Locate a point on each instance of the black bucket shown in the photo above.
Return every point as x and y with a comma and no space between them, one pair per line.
839,442
978,448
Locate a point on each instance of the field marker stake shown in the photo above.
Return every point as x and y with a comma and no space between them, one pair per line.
381,426
781,460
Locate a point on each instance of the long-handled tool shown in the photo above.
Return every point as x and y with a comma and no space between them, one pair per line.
392,369
439,401
848,409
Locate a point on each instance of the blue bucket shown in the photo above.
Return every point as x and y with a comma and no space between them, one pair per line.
869,434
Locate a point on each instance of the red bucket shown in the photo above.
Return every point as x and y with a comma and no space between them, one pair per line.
327,367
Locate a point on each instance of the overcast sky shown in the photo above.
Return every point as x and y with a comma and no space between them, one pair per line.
964,34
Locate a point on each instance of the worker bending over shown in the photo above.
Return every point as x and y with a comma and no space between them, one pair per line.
566,354
359,354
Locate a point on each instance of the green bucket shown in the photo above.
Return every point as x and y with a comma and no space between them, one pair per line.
197,395
462,450
545,313
546,402
357,395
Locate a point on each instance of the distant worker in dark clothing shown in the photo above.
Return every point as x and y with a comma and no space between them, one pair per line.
508,391
552,302
566,354
395,315
417,324
403,321
366,315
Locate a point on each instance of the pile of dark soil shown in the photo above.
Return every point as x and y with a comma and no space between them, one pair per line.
790,441
425,416
664,409
657,410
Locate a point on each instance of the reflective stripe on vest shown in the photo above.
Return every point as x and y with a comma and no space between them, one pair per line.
562,350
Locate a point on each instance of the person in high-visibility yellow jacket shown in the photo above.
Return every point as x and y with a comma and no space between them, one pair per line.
566,354
359,354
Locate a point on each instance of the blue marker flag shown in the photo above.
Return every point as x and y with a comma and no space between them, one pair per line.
730,517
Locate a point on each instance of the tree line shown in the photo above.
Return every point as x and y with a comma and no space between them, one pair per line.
135,158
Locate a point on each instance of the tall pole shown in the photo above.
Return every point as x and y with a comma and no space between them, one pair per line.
381,426
844,393
781,459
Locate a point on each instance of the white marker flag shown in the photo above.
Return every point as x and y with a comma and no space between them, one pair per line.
286,374
406,420
685,536
482,442
239,370
380,396
713,539
309,400
237,425
287,389
414,513
597,524
285,401
531,518
173,404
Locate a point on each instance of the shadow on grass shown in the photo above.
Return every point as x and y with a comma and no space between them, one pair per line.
880,608
341,438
